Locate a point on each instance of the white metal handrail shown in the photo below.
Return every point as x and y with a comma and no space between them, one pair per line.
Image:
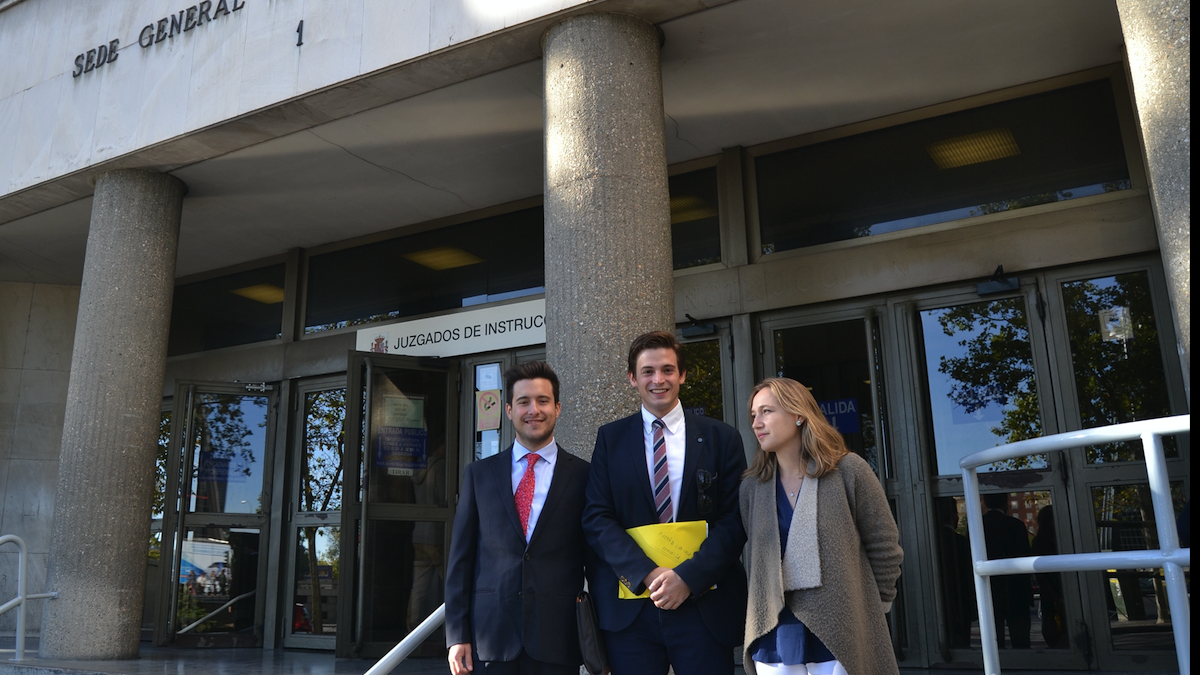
19,601
1168,556
213,613
414,639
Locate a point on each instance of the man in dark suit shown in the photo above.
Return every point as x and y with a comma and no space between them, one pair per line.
696,612
1012,594
517,551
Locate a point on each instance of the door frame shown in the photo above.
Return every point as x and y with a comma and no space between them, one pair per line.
356,507
176,520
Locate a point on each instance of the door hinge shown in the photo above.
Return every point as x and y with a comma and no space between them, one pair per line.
260,387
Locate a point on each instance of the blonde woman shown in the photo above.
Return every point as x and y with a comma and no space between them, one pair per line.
824,548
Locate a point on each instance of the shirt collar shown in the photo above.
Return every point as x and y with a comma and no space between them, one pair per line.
547,453
673,420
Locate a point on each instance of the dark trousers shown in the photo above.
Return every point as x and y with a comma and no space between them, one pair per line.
524,665
658,639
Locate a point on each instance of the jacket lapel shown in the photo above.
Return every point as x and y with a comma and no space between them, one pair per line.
693,446
635,441
501,478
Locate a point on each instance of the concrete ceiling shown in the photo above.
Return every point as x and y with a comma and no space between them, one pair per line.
740,74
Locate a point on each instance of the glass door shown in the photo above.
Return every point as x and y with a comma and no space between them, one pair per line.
986,377
401,420
216,516
1115,343
313,579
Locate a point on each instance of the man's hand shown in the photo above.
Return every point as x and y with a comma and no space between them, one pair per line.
667,590
460,659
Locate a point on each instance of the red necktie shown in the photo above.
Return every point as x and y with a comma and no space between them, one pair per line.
524,494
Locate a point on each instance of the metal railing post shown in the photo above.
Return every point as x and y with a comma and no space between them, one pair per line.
1167,556
19,601
414,639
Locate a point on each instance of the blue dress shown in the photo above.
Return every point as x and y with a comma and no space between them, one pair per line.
790,642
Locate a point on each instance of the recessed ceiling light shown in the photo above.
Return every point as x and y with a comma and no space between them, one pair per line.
982,146
267,294
687,208
443,258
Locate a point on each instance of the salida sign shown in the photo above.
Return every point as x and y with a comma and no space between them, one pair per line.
482,330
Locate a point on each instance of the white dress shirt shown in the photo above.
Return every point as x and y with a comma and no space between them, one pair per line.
543,473
676,442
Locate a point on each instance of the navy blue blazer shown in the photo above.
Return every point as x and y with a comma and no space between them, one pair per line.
502,595
619,497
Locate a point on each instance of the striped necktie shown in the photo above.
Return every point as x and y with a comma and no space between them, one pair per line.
662,484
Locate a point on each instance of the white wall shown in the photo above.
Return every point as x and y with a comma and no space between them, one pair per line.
52,124
37,331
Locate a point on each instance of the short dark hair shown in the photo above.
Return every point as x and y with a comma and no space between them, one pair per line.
658,339
530,370
996,500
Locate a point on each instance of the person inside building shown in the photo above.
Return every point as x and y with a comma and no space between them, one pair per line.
1050,585
958,583
517,555
824,548
658,466
1012,594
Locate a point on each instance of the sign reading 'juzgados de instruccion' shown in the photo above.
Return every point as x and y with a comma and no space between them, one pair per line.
483,330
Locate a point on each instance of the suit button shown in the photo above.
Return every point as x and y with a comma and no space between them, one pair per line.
528,557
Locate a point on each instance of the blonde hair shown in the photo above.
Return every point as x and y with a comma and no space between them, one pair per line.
820,444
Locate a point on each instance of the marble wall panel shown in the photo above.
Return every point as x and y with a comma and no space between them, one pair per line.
164,90
270,61
15,301
40,411
35,132
76,123
51,327
18,34
10,119
332,43
29,501
455,21
393,31
216,67
10,394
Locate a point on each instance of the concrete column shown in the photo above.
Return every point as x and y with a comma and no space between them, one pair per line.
1158,44
105,478
608,220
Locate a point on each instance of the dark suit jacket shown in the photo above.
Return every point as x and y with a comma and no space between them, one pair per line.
502,595
1006,537
619,497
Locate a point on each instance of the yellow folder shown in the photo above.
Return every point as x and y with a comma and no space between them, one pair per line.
667,544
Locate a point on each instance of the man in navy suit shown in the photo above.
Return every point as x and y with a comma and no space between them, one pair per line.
517,551
655,466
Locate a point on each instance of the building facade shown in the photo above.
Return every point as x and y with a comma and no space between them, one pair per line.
262,263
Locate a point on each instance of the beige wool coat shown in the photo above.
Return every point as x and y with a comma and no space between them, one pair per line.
843,560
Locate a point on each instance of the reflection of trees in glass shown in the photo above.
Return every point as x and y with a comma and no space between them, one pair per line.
158,498
361,321
1117,380
702,388
996,368
223,448
325,414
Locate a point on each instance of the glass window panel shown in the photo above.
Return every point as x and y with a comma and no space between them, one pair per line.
489,409
229,441
405,568
1030,610
324,418
833,362
408,438
158,499
314,599
695,219
1116,359
481,261
982,389
1050,147
235,309
703,392
218,565
1138,613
